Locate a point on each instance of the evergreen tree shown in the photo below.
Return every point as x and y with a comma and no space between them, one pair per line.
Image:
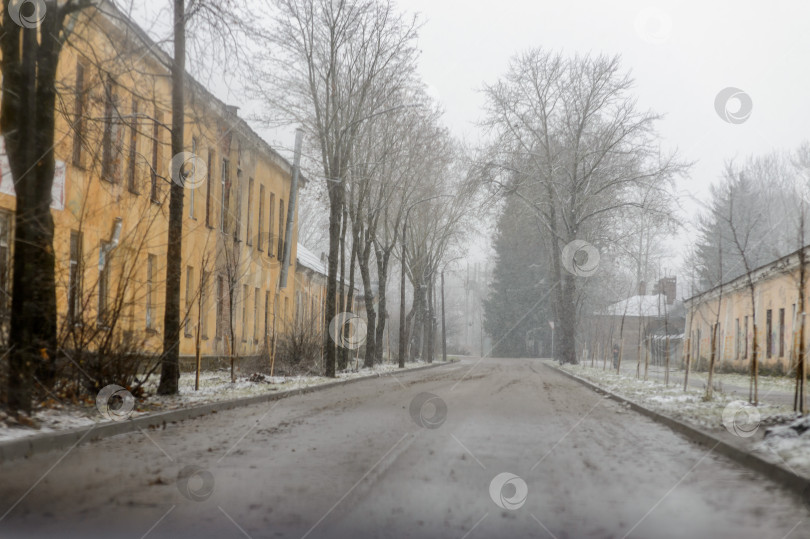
518,308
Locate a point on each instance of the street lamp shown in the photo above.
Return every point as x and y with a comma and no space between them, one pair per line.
403,345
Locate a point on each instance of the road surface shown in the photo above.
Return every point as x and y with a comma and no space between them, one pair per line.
356,461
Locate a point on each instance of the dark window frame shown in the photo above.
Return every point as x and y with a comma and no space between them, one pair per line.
77,157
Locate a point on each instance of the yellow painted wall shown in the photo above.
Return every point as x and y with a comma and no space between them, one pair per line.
777,291
93,203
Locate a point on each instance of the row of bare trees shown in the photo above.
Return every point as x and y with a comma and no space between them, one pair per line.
758,213
345,71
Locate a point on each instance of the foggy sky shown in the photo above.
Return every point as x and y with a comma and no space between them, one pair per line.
680,53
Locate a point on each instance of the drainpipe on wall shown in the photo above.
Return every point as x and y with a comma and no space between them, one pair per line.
288,232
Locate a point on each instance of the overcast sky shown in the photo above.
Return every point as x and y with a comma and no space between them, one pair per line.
681,54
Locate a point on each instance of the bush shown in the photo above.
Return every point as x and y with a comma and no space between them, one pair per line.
300,347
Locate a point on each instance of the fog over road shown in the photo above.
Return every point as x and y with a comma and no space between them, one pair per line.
351,461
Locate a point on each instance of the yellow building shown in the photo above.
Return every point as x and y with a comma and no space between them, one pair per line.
311,276
111,208
776,297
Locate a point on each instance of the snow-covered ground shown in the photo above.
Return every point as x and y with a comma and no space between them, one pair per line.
791,443
774,432
215,386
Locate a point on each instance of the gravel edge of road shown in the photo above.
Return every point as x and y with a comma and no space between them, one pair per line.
786,478
42,443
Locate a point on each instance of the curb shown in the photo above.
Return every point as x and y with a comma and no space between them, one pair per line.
796,483
34,445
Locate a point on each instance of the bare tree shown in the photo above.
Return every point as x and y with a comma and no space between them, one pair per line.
742,221
336,63
31,44
568,139
211,18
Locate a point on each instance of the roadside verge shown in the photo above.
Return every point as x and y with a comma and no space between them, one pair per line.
50,441
782,475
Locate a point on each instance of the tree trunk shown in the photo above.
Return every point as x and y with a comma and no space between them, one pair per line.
170,364
27,121
336,192
342,352
382,310
568,321
431,340
709,388
403,330
371,315
688,354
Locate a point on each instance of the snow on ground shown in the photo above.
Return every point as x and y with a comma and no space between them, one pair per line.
786,439
673,401
791,443
766,384
215,386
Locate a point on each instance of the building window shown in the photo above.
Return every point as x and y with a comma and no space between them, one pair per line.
270,242
260,222
189,298
103,281
151,268
299,314
769,332
132,172
237,226
208,190
225,195
78,116
220,305
737,339
156,151
204,304
267,313
245,297
256,303
111,142
281,229
75,278
193,172
793,327
745,338
249,216
782,332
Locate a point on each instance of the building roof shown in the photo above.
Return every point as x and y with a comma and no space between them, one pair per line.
785,264
310,260
649,305
307,259
116,17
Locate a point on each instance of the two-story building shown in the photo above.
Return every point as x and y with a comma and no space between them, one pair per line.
110,204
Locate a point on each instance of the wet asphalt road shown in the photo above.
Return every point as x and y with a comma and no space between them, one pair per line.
360,461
